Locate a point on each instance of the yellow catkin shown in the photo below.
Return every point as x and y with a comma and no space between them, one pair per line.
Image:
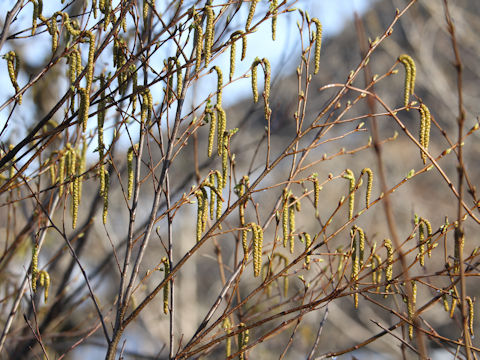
222,126
34,16
169,91
368,193
198,39
446,305
268,76
308,242
212,118
410,74
425,124
130,172
355,267
219,185
200,211
243,338
376,270
146,8
274,11
233,50
61,172
34,267
84,108
52,29
209,33
351,199
219,83
251,12
75,200
226,138
166,288
411,308
453,307
285,217
389,268
244,47
13,65
257,248
245,232
256,62
421,244
133,96
471,313
105,197
318,44
428,241
211,180
361,243
291,222
91,62
179,79
45,276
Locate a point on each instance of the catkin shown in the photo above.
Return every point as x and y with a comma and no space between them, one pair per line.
257,248
225,158
291,220
13,65
274,11
222,126
219,186
209,33
308,242
410,74
45,277
84,108
198,39
471,313
355,267
105,196
200,211
421,244
251,12
368,194
411,308
130,172
316,192
361,243
211,180
318,44
243,338
34,267
389,268
34,16
285,217
75,200
52,29
425,123
166,288
244,47
254,79
219,83
179,79
233,50
268,76
429,236
351,199
91,62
